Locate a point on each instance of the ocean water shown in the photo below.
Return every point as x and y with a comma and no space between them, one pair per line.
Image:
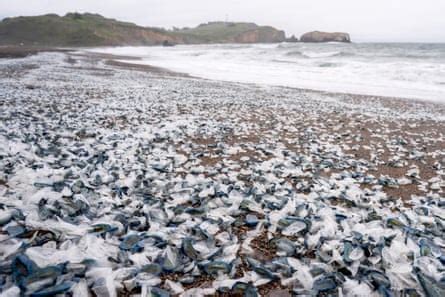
395,70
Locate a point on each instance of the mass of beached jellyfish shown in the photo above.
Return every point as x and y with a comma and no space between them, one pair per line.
117,182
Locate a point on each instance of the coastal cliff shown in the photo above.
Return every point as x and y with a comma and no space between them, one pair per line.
76,29
229,32
88,29
318,36
265,35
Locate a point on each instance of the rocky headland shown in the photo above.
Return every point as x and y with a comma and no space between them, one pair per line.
75,29
317,36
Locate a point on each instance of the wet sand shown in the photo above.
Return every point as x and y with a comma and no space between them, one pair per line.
11,52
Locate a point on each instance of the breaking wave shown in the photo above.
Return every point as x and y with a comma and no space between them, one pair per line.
316,55
392,70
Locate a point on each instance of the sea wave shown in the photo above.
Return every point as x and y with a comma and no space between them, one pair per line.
327,65
283,61
317,55
398,70
197,54
294,54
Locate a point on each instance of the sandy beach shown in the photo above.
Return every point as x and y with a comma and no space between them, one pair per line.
222,186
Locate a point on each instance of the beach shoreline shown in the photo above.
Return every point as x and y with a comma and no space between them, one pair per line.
135,62
240,161
131,63
14,52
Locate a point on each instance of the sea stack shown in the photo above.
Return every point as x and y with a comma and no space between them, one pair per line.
292,39
318,36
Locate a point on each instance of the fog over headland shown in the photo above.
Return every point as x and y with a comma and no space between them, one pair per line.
376,20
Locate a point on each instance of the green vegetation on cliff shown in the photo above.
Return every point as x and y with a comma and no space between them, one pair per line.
76,29
221,32
87,29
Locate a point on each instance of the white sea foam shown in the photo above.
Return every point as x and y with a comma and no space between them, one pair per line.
396,70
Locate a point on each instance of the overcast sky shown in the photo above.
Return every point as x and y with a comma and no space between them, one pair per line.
366,20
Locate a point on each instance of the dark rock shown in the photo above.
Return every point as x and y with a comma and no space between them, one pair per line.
292,39
318,36
167,43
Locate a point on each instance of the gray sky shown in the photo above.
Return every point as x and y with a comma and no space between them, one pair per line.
366,20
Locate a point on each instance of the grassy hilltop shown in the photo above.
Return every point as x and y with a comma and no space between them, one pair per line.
76,29
88,29
230,32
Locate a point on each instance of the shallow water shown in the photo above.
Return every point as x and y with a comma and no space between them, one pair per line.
395,70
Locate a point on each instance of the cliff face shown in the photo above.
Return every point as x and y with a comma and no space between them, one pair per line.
228,32
147,37
318,36
260,36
